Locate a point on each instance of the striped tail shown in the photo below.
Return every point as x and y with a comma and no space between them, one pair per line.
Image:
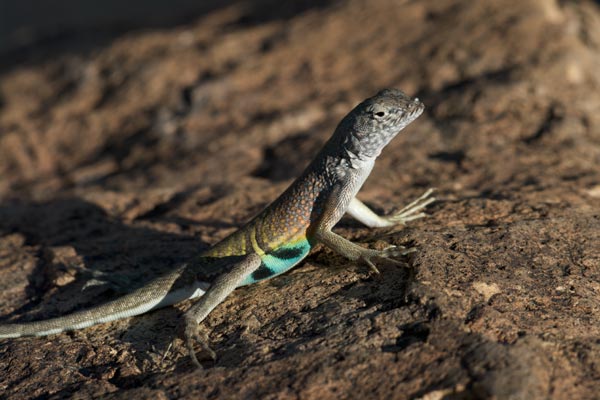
161,292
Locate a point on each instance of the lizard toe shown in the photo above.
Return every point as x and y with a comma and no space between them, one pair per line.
195,335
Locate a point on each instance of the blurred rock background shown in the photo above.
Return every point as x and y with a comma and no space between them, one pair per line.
133,135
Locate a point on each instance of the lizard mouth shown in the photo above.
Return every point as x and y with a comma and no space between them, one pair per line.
416,108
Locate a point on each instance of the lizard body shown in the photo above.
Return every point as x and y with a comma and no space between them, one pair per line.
279,237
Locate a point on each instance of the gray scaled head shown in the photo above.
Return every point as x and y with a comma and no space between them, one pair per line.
368,128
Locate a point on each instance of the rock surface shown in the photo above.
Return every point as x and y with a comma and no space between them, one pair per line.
119,161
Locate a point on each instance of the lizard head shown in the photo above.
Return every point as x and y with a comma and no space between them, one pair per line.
372,124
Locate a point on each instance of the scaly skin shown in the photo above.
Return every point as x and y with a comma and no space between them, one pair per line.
282,235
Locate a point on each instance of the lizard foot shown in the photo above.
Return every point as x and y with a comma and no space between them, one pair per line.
194,334
386,254
411,211
119,284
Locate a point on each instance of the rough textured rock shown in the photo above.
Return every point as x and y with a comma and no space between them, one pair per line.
126,158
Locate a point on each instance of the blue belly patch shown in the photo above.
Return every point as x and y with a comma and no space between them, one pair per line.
278,261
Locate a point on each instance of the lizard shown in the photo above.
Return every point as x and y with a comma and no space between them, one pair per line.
279,237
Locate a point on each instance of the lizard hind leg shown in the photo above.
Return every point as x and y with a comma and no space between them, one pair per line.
221,287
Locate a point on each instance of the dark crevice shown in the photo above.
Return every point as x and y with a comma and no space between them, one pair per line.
416,332
554,115
263,11
496,77
455,157
461,95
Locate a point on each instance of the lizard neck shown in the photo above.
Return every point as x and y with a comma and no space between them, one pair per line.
351,173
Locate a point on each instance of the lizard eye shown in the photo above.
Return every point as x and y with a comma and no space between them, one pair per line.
380,114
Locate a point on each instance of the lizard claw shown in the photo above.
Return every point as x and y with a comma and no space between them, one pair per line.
386,254
372,267
409,213
193,334
397,251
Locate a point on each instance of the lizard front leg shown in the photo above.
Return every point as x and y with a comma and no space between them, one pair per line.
348,249
362,213
220,288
